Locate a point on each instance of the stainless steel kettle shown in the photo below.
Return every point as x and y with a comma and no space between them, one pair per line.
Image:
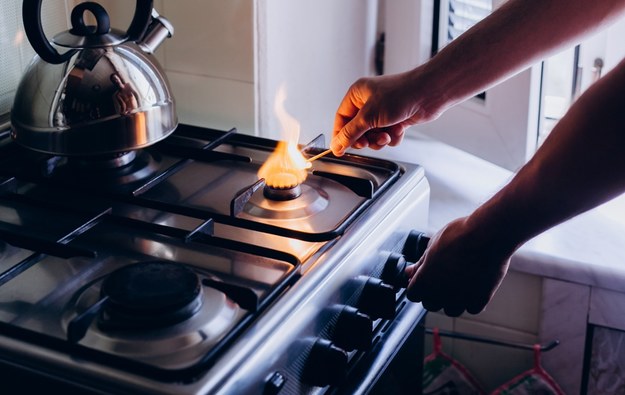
106,94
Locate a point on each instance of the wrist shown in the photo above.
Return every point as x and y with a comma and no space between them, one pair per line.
427,87
495,229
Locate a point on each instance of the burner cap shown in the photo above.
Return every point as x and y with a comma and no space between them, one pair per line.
154,293
288,193
109,161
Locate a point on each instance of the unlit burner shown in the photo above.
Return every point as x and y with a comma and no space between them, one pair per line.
151,294
282,186
109,161
106,171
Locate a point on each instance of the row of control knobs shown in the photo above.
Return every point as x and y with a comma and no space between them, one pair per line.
353,329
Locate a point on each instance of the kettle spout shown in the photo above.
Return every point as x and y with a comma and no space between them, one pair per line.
158,31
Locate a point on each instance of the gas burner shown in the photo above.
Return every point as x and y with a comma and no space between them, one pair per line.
150,295
113,170
112,161
310,201
154,311
288,193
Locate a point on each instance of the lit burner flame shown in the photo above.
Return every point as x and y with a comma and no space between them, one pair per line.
286,166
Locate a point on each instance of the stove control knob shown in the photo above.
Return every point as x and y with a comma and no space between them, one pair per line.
353,330
326,364
377,299
394,271
415,245
274,384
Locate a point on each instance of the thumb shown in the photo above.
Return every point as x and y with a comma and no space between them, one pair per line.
348,135
415,289
411,270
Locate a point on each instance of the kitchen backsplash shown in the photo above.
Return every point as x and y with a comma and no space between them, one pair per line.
15,51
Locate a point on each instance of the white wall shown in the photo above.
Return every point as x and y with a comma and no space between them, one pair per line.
316,49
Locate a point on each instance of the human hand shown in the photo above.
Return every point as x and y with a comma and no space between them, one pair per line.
460,270
376,110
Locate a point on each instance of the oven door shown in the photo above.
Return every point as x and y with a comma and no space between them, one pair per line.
394,365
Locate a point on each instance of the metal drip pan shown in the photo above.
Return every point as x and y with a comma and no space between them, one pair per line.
310,202
173,347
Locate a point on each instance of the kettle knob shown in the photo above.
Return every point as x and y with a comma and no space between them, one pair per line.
103,23
31,15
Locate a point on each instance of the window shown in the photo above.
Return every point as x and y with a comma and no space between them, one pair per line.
569,73
462,14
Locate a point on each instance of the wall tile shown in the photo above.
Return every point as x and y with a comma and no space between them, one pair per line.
607,365
214,102
607,308
213,38
492,365
15,50
441,321
516,305
565,312
513,315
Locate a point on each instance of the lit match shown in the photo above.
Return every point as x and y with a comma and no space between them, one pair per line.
324,153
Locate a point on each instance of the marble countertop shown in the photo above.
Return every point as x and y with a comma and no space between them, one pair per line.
588,249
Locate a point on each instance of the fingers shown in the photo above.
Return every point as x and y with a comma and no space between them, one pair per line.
454,300
454,311
349,124
415,291
379,138
349,134
396,134
476,308
362,142
363,121
411,270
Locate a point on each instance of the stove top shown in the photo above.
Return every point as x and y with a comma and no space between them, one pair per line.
155,261
205,173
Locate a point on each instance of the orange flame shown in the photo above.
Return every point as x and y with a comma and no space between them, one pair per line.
286,166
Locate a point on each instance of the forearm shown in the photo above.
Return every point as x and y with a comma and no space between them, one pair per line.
579,166
513,37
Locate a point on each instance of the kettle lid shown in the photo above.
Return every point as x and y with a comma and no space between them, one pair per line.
82,35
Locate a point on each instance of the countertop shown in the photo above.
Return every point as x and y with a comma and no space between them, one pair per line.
588,249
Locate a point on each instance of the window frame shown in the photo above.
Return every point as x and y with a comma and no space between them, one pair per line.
503,127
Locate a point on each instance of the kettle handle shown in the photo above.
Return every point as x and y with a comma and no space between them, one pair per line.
141,20
31,15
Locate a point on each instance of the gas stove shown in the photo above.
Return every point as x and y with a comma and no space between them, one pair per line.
175,270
